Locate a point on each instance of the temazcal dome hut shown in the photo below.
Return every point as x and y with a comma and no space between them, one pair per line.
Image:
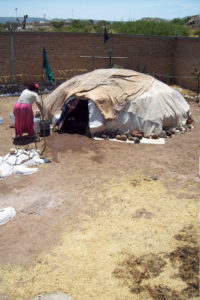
117,101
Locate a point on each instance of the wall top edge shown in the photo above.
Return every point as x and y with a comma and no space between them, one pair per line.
100,34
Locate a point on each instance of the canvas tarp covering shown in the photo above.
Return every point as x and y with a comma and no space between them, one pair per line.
110,89
121,100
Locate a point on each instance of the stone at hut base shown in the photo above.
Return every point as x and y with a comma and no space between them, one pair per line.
136,140
154,137
123,137
163,134
12,151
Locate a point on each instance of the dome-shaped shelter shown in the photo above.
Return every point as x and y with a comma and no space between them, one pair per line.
116,101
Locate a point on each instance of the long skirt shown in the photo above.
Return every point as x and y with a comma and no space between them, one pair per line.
24,119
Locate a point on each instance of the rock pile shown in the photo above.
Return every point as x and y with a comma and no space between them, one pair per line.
137,135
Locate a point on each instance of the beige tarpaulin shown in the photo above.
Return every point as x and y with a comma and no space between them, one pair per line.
110,90
122,100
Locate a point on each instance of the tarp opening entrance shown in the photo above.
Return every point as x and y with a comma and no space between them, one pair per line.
77,121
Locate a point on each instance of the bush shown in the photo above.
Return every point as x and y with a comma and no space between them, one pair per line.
197,32
57,24
150,28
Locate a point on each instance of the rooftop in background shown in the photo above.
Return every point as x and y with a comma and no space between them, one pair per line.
194,22
13,19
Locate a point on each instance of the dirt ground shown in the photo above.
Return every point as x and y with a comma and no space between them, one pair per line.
103,220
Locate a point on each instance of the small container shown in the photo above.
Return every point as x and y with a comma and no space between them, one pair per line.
1,120
12,119
37,125
44,128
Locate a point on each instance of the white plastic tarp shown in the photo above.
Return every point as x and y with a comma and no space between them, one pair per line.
20,163
160,106
6,214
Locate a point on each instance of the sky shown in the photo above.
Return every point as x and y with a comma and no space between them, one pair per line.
111,10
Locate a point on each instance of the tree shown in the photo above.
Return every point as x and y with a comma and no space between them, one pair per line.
2,27
178,21
102,23
11,26
23,23
78,26
197,32
57,24
150,28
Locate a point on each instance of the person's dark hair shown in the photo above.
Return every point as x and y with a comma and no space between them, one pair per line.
33,87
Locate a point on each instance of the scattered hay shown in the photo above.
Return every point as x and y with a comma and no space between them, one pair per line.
142,213
137,272
187,257
187,234
162,292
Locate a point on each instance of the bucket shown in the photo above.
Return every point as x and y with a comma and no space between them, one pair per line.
44,128
37,125
12,119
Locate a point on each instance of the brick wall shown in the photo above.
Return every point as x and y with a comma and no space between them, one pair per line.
160,56
4,54
186,57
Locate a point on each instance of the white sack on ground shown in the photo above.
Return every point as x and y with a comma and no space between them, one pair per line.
20,163
121,100
6,214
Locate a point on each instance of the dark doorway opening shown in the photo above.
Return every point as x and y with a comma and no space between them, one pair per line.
77,121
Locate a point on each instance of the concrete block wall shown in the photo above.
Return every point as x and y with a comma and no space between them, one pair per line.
21,53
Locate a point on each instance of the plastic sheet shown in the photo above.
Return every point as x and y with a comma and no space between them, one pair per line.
20,163
159,107
6,214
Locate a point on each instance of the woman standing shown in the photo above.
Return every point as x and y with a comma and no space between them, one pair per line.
24,118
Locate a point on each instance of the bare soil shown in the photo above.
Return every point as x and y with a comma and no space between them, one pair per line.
102,220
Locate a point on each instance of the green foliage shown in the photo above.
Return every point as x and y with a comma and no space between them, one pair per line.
57,24
2,27
197,32
91,22
173,28
76,23
117,66
11,26
82,26
98,29
196,73
143,70
150,28
102,23
178,21
77,26
41,29
176,27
